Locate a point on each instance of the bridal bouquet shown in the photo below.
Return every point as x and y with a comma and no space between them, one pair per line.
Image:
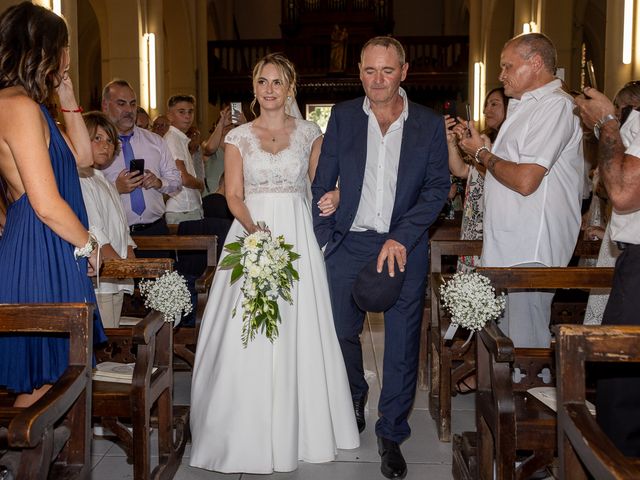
471,300
168,295
266,263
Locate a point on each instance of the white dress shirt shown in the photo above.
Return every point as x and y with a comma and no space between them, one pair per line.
543,227
159,161
107,221
381,172
187,199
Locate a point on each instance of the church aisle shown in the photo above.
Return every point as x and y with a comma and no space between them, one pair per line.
426,456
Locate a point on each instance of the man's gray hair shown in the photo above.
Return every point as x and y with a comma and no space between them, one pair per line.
386,42
106,91
536,43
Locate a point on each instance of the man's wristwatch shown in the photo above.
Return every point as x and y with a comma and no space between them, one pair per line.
600,123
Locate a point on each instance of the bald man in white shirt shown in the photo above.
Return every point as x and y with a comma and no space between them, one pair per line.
533,185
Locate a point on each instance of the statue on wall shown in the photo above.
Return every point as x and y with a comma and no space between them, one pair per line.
338,60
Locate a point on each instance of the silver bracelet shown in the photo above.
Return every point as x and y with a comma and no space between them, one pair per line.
477,155
89,247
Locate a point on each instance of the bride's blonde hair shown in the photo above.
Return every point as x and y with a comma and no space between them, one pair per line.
284,65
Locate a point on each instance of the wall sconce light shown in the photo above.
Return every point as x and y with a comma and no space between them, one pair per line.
627,32
478,80
150,39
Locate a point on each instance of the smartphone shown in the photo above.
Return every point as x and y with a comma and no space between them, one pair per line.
449,108
591,75
236,110
137,165
468,108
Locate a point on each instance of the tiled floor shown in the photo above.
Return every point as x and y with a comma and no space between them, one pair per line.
426,456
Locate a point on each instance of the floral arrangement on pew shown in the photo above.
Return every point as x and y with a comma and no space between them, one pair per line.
168,295
266,263
471,301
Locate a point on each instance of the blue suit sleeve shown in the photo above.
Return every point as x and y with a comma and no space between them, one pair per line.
325,180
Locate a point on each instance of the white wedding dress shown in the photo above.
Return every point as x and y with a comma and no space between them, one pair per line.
264,408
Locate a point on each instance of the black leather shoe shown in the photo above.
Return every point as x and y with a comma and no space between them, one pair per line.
358,408
392,462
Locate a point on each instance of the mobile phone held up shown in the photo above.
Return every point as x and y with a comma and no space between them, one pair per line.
449,108
137,166
236,110
591,75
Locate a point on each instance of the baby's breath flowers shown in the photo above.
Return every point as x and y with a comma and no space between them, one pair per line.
471,300
168,295
267,266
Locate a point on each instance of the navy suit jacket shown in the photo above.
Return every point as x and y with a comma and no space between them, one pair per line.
423,174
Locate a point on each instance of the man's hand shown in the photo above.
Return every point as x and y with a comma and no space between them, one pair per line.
128,182
151,181
329,202
593,106
472,143
392,252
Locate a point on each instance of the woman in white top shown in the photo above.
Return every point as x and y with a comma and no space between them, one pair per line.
106,217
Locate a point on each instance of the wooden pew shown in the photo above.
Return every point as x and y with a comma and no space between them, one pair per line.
51,438
185,338
453,360
510,421
584,449
148,344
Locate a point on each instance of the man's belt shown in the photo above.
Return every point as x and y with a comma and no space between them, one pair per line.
139,227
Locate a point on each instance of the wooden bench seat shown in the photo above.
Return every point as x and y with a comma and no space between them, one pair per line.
512,425
584,449
51,438
453,360
148,345
186,337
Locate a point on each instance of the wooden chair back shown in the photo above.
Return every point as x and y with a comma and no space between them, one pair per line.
585,450
450,361
185,338
148,344
31,430
508,419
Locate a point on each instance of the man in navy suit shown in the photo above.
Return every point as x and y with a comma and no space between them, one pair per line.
390,158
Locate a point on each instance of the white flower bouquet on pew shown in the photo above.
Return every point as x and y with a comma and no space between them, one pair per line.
471,300
168,295
266,263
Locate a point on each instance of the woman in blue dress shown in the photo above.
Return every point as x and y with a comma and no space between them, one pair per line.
46,250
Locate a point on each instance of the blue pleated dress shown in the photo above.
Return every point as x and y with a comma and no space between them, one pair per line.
37,266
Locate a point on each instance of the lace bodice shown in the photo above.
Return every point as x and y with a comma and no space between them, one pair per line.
282,172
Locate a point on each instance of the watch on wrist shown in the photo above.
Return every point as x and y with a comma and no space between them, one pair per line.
600,123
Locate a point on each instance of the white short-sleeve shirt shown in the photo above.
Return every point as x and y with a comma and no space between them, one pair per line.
187,199
542,227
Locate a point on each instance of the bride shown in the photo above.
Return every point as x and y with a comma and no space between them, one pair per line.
264,408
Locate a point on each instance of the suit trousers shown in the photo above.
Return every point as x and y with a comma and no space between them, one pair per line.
618,391
402,328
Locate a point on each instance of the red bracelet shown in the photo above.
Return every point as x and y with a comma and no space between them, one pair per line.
77,110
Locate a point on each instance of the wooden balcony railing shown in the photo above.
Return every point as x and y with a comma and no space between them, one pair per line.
440,62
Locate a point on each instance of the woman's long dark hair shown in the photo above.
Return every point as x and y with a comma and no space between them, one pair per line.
492,133
32,39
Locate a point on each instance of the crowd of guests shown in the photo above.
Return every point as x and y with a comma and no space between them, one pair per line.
80,192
